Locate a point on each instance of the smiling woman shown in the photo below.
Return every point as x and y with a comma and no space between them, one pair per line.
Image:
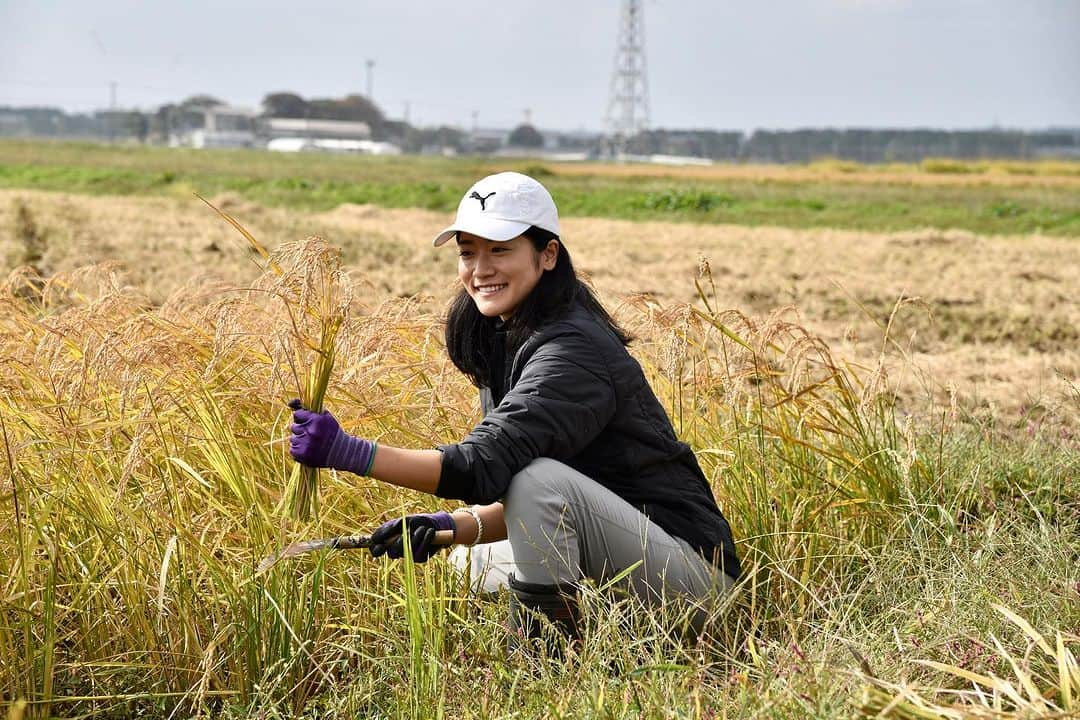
498,276
575,469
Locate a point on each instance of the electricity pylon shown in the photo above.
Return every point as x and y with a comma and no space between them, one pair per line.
628,106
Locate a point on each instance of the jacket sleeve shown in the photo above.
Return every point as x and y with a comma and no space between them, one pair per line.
563,399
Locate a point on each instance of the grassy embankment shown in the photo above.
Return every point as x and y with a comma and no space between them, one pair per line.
1009,198
142,465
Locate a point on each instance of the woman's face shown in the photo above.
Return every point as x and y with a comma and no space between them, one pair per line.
499,275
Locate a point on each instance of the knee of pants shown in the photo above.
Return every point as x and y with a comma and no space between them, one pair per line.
543,484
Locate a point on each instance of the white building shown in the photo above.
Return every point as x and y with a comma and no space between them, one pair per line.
222,126
323,129
332,145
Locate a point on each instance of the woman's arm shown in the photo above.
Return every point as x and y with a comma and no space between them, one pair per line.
318,440
419,470
563,399
494,524
412,469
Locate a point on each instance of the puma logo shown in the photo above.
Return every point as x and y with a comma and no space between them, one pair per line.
483,200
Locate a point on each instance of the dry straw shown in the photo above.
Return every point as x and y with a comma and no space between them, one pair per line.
1044,682
308,279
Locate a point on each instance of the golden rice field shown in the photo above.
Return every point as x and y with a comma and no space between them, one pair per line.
890,421
987,322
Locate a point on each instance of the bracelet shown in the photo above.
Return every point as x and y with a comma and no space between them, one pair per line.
479,524
371,462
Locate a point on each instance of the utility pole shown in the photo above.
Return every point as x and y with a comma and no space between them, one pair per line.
110,119
406,114
628,104
370,79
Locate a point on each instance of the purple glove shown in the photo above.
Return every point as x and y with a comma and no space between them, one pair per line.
387,539
317,440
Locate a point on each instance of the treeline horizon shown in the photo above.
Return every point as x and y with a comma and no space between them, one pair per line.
799,145
864,145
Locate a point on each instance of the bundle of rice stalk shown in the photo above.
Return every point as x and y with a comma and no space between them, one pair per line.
302,491
308,278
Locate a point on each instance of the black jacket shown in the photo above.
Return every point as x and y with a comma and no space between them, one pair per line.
574,394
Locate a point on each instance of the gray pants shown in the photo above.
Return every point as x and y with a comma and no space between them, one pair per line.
563,526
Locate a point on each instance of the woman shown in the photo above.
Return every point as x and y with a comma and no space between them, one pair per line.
575,470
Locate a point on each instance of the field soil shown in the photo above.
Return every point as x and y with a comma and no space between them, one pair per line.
986,326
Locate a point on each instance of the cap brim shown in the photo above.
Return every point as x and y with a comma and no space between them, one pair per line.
487,228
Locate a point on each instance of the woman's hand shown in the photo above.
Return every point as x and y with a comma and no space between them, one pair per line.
312,436
388,539
317,440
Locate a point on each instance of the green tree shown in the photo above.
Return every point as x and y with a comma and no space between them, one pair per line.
432,139
355,108
526,136
284,105
137,125
202,101
163,122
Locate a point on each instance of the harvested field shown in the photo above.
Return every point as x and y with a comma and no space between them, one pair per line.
888,419
992,319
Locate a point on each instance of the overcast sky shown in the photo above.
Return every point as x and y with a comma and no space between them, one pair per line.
722,64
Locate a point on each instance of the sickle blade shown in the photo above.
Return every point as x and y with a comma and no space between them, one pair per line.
341,542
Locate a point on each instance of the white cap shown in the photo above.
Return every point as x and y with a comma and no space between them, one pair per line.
500,207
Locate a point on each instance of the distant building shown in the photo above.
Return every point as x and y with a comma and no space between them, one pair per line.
587,140
1057,142
559,145
272,128
332,145
220,126
13,123
486,141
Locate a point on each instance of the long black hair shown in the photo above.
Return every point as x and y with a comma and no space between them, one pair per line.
470,335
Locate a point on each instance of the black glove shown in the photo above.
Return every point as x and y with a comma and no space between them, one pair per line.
388,540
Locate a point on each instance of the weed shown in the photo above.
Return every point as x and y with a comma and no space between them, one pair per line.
674,201
29,236
540,172
1006,209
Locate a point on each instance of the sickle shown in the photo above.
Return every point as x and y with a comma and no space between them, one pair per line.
341,542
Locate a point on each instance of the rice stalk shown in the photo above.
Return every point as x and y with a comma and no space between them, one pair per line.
310,282
143,463
1044,684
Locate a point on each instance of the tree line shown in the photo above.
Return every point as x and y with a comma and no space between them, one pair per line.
864,145
856,144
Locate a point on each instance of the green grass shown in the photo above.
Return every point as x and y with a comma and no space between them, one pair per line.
320,182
